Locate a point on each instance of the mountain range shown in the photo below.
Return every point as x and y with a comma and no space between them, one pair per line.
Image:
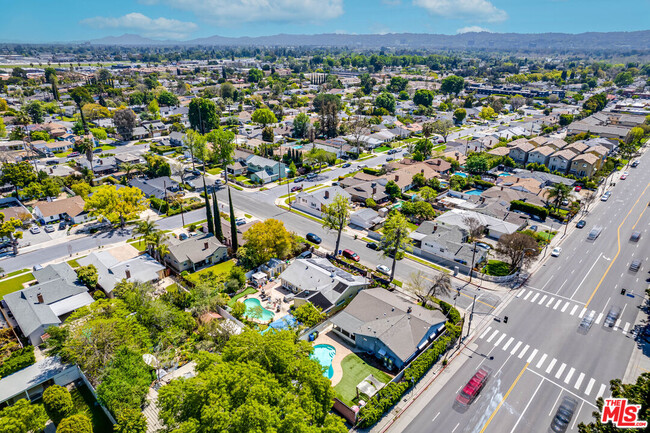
592,41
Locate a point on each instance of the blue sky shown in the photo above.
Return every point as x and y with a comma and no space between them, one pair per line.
74,20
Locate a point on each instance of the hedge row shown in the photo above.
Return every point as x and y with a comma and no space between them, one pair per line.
163,207
390,394
529,208
17,361
482,183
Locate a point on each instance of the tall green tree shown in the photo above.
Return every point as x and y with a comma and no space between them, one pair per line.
79,423
558,193
452,84
208,211
218,229
203,115
396,238
116,205
195,143
9,230
19,174
58,402
87,146
23,417
131,421
223,148
336,217
81,96
301,125
233,226
264,116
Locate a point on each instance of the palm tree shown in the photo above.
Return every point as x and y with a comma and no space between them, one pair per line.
154,242
559,192
87,146
145,228
161,251
127,168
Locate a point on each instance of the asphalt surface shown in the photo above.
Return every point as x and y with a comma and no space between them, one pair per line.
539,357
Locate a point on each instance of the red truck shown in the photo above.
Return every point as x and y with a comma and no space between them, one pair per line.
470,391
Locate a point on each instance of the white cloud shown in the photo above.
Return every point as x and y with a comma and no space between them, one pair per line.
233,12
477,10
472,29
151,27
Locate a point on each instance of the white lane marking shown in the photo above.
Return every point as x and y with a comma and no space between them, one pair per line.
527,296
590,385
541,301
550,366
523,351
514,349
582,313
559,301
494,334
528,404
579,381
550,301
585,277
558,290
565,307
573,310
434,418
534,297
499,340
508,343
560,371
541,361
600,316
565,389
627,325
569,375
617,324
553,407
520,293
485,332
601,391
455,428
575,420
532,356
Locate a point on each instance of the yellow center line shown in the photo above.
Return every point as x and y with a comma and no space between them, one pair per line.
504,397
618,241
471,297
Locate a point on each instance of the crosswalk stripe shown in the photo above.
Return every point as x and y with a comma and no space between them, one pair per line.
579,381
625,328
550,301
532,356
521,293
560,371
541,361
600,316
590,385
523,351
534,297
499,340
514,349
550,366
582,313
494,334
565,307
573,311
559,301
485,332
569,375
508,343
601,391
541,301
527,296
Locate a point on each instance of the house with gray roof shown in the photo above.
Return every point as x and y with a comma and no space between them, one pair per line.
314,203
194,253
388,326
47,303
110,270
264,170
321,283
159,187
448,242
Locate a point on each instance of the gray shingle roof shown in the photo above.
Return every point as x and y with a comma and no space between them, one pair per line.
193,249
111,271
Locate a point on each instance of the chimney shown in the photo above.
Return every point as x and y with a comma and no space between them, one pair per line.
435,228
422,171
40,298
439,161
501,188
409,309
128,273
205,246
396,177
327,194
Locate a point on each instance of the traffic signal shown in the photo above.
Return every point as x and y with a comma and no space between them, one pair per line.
505,319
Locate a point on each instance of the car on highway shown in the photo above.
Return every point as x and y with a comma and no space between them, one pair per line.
296,188
564,414
586,322
473,388
606,196
612,316
372,245
581,224
635,265
49,228
635,236
34,230
624,175
635,164
351,255
556,251
314,238
594,233
383,269
346,165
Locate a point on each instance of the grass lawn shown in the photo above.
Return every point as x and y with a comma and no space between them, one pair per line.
139,244
247,291
547,236
382,149
242,178
107,147
11,274
497,268
84,402
74,263
219,270
62,154
215,171
354,371
10,285
427,263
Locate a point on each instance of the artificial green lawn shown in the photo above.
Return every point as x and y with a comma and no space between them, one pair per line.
354,371
248,291
219,270
12,284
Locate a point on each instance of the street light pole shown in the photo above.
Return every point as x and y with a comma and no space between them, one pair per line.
471,315
471,269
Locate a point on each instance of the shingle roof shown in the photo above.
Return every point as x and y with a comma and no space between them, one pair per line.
193,249
111,271
72,206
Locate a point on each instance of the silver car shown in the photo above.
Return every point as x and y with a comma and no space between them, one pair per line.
612,317
586,322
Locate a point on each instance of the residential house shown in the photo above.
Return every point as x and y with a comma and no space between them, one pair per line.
314,203
264,170
176,138
321,283
388,326
365,218
448,242
47,303
439,165
362,190
584,165
561,160
160,187
494,227
540,155
139,133
194,253
110,270
68,209
519,153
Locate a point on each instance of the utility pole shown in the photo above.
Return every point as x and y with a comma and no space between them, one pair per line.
471,269
471,315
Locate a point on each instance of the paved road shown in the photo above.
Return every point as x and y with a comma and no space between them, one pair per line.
538,357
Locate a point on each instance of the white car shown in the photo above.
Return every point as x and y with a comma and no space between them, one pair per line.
34,230
556,251
383,269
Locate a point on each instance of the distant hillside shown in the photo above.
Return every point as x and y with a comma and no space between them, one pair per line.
617,41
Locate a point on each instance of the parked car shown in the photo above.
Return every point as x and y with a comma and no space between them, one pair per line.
98,150
305,255
311,237
383,269
62,225
635,236
51,162
533,228
49,228
372,245
606,196
578,188
635,164
311,176
183,236
296,188
298,179
351,255
389,158
346,165
73,154
556,252
37,267
483,245
564,414
624,175
473,388
240,221
581,224
34,230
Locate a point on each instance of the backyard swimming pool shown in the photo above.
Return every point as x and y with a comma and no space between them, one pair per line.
459,173
297,146
324,354
473,192
254,303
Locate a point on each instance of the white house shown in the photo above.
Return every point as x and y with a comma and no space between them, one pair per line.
365,218
314,203
70,209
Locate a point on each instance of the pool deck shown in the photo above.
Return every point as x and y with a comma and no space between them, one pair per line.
342,350
277,294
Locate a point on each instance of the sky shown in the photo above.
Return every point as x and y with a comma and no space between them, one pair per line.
76,20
